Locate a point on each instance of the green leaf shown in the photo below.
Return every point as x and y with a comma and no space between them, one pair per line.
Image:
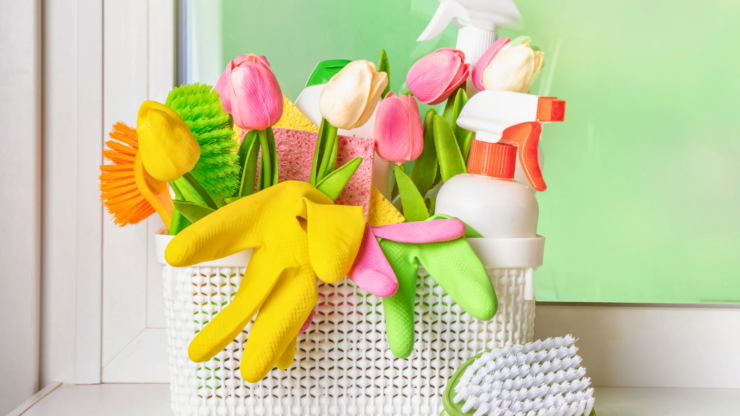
268,165
425,167
322,164
199,189
414,208
452,112
248,152
431,204
409,93
178,222
385,66
273,155
192,211
451,162
333,184
234,199
465,147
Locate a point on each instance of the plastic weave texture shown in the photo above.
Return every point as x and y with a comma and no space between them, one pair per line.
343,365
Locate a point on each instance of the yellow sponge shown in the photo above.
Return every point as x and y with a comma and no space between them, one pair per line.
293,118
382,212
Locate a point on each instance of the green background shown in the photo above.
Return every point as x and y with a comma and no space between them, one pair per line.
642,177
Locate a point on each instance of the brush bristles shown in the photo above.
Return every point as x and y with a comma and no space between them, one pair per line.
217,169
118,191
541,378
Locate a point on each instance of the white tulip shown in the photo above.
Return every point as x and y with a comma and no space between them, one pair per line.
513,69
350,97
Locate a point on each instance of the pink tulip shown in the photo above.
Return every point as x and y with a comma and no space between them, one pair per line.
250,92
399,136
436,76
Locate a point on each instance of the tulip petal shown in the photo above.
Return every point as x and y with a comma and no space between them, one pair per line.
416,130
258,97
345,96
460,77
380,81
484,60
432,75
223,87
511,71
392,130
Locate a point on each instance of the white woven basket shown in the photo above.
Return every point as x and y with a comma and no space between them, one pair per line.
343,365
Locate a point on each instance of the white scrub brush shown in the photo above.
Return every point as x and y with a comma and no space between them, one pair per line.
541,378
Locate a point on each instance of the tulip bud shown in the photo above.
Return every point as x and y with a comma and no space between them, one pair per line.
350,97
399,136
250,92
433,78
508,65
168,148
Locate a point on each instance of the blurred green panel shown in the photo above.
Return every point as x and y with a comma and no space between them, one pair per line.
642,177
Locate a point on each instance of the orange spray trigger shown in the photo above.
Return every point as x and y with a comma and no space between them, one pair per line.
550,109
526,136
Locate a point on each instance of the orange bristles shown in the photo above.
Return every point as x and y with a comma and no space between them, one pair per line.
127,191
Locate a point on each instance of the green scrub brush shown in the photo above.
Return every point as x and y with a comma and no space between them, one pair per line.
218,168
542,378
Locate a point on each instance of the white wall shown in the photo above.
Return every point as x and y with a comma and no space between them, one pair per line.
20,201
72,214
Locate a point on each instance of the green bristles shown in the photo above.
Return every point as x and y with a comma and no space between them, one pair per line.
218,168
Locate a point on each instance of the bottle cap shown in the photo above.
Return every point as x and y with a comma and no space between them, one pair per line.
495,160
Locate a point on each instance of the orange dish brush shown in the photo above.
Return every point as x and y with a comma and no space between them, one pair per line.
128,192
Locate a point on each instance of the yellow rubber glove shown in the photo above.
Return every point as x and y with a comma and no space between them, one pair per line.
297,234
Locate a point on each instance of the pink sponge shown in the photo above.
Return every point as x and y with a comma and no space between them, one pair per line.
295,155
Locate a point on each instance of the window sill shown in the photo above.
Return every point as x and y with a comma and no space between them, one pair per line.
154,400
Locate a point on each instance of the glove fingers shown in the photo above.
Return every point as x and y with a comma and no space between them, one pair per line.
371,270
399,308
456,267
256,285
334,236
232,228
286,359
278,322
422,231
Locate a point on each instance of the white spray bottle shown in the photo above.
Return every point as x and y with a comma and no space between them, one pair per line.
478,22
488,198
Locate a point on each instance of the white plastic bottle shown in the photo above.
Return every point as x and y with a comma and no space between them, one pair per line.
488,198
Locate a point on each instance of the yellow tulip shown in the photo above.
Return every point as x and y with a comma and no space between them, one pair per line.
168,148
350,97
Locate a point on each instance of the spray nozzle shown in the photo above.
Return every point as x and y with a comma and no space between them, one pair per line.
478,21
501,119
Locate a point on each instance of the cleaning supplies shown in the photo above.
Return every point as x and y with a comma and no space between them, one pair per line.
542,378
280,280
128,192
478,22
487,198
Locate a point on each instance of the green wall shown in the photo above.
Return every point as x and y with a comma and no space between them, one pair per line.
643,175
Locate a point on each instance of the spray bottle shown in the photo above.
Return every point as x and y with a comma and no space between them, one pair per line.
478,22
488,198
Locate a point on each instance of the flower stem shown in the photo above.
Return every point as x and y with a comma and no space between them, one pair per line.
200,190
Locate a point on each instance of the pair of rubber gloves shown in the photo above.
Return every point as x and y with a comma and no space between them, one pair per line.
297,235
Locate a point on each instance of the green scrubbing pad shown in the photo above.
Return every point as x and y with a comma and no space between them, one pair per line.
218,168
